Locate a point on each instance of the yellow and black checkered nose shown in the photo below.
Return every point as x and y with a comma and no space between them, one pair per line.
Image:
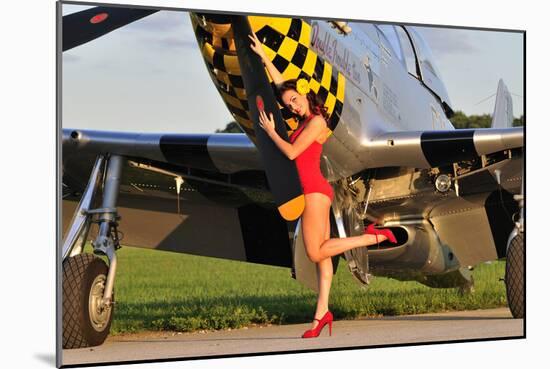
286,42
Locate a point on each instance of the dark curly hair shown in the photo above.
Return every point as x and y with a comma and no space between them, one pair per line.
316,106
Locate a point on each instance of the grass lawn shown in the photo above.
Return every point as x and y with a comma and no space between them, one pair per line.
157,290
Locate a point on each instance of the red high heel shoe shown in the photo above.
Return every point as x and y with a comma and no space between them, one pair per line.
315,332
383,232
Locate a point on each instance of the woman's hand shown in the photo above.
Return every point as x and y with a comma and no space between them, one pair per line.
256,46
267,123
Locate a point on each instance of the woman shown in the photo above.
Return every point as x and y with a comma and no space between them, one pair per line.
305,148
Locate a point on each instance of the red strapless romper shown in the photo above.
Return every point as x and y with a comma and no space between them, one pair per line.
308,164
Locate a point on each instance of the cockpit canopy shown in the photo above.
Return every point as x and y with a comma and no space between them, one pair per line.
414,53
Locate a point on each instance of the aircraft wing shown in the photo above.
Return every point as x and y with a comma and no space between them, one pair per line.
232,153
221,152
478,206
428,149
197,194
191,193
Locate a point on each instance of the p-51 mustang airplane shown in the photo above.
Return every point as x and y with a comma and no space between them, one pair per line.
453,198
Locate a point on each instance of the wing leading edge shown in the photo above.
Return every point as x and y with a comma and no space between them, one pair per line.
428,149
225,153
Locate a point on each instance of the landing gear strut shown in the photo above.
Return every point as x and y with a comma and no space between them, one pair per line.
88,301
349,223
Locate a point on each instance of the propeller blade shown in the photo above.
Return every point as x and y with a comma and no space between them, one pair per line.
281,172
89,24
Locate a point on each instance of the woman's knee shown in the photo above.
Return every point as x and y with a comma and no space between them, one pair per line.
314,255
313,239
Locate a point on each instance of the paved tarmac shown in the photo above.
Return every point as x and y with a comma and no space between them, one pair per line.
451,326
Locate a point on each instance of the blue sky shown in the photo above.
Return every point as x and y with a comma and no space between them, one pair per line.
149,76
471,63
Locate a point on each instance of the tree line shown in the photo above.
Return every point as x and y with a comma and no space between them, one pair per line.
459,120
231,127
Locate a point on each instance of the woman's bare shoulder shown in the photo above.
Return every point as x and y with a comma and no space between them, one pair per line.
318,120
319,124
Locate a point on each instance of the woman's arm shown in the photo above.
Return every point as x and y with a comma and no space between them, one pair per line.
314,128
256,46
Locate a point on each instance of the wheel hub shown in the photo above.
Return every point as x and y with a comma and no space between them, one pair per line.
99,311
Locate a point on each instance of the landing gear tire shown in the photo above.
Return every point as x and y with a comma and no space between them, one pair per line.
514,277
85,321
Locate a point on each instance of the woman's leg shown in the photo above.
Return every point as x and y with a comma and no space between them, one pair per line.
313,226
325,273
